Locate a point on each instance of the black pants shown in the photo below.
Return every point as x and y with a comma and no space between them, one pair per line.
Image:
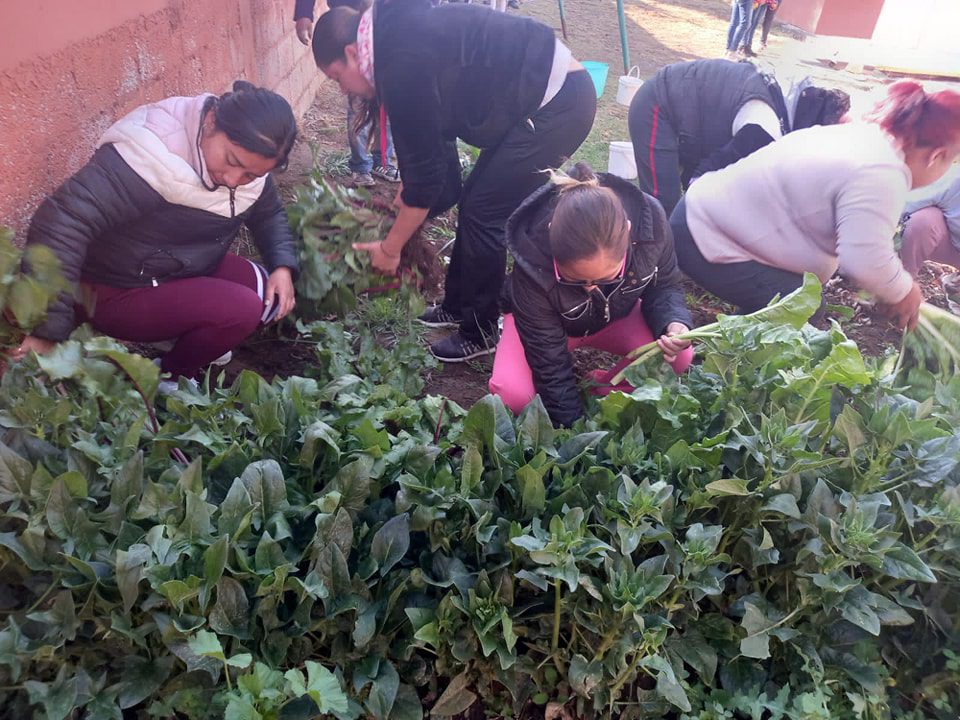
748,285
502,179
656,148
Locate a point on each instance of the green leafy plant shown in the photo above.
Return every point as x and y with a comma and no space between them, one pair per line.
773,535
25,296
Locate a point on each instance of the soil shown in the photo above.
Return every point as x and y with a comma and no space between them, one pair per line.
659,33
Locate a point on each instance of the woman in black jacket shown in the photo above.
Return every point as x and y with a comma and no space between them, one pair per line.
501,83
142,231
694,117
594,266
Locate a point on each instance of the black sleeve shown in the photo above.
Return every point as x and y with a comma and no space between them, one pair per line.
304,9
663,301
271,231
545,346
750,139
104,193
413,103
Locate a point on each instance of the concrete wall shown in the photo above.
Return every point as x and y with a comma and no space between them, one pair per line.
69,68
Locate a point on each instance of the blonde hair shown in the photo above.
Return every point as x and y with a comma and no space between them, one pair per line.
588,218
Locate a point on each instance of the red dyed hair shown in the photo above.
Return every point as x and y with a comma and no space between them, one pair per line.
919,119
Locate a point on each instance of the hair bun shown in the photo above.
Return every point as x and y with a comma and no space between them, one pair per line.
243,86
579,176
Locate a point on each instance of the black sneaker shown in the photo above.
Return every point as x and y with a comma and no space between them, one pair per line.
457,348
436,316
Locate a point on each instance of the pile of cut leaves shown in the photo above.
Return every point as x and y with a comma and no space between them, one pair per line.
329,219
774,535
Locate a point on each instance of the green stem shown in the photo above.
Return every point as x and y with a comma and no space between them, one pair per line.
556,615
226,671
46,593
645,352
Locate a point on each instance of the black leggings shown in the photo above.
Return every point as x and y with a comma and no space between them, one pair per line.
502,179
656,148
748,285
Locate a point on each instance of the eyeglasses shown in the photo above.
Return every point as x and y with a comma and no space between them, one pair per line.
591,283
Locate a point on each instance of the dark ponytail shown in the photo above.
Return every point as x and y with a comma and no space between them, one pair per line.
257,120
588,218
335,29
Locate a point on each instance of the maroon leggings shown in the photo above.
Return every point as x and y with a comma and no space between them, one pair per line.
205,316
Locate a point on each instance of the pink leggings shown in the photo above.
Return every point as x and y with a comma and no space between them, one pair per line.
926,237
512,379
206,316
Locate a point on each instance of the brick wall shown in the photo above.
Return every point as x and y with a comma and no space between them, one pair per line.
69,68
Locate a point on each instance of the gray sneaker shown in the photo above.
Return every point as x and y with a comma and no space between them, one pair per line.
437,317
457,348
358,179
387,172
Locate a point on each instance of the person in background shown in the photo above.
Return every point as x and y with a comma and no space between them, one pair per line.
499,82
819,200
143,230
694,117
741,12
932,227
365,163
594,266
764,12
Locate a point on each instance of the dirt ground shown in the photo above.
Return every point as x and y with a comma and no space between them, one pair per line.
659,32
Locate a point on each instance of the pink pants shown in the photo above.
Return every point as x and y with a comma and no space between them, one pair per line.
927,237
206,315
512,378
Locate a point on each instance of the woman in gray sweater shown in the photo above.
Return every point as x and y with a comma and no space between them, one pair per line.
820,200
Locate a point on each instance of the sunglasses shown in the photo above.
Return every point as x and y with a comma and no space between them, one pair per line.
591,283
606,289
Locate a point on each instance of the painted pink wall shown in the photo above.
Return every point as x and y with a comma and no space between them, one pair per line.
69,68
846,18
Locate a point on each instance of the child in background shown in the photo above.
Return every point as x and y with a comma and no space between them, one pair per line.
763,12
365,164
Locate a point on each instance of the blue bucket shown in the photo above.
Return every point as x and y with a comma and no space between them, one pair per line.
598,73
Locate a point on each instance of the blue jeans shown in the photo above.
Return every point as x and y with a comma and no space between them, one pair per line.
740,16
758,15
361,160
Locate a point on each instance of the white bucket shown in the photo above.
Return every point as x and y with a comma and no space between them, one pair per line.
621,161
628,86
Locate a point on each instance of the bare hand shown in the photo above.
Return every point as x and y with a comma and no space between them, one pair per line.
382,260
280,287
670,345
34,344
397,200
906,312
304,30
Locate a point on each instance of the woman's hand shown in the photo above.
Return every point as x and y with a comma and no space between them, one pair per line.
904,314
670,345
280,288
32,343
382,259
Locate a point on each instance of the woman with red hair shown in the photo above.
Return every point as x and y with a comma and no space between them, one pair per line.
820,200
